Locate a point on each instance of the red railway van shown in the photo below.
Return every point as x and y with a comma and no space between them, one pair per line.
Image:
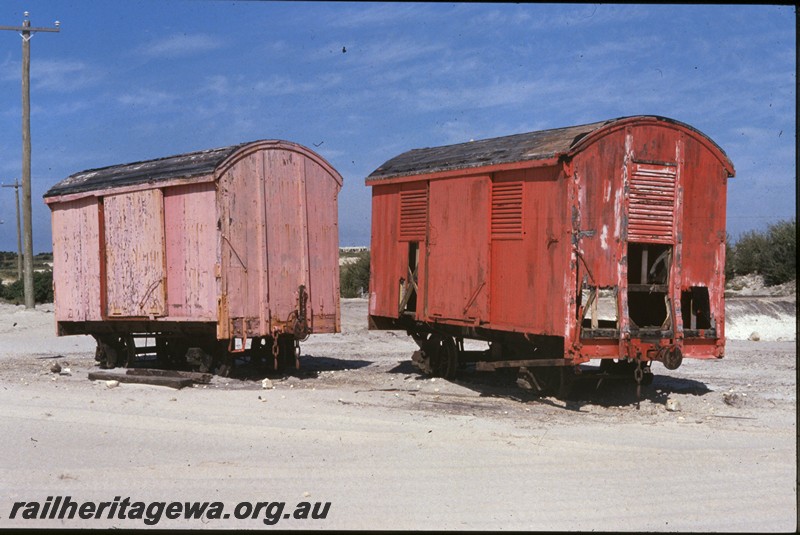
600,241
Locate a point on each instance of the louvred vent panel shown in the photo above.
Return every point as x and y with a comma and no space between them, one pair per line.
413,214
651,204
507,211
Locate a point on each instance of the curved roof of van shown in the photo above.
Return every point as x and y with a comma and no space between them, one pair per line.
180,166
539,145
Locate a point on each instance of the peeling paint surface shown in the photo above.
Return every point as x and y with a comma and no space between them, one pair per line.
134,247
278,223
76,261
459,294
604,238
190,232
230,249
628,186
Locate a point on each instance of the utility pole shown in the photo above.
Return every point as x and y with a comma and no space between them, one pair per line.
15,185
27,32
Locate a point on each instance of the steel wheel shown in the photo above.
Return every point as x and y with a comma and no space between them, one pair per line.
560,380
443,356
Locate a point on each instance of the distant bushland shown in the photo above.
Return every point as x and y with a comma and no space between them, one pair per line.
12,289
14,292
771,253
354,276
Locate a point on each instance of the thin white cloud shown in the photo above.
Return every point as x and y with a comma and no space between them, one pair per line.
59,109
380,14
505,16
70,107
593,15
63,75
626,49
543,17
278,47
217,84
11,163
183,45
10,70
388,52
278,85
272,85
395,61
146,98
50,75
462,131
492,94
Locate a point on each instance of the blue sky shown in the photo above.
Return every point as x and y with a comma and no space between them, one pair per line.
362,82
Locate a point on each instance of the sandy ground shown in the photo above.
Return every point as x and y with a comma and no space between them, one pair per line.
390,449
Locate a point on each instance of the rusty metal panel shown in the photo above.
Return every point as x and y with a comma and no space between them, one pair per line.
191,250
457,283
134,254
76,261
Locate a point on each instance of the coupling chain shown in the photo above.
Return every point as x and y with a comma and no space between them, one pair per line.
275,348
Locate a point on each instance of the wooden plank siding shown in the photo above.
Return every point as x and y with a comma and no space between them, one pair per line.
134,254
542,218
221,238
76,260
190,232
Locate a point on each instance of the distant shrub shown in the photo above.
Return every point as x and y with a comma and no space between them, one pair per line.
772,254
42,289
748,253
779,264
43,286
354,278
729,270
8,290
